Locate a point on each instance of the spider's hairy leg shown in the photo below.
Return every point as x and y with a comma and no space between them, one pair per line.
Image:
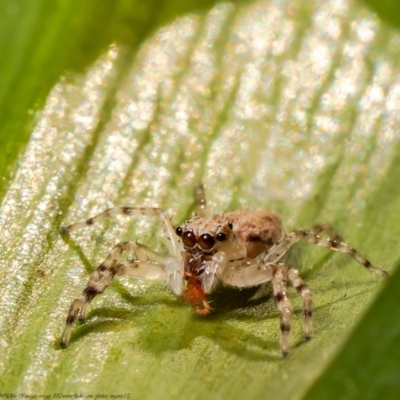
146,263
283,303
103,276
256,272
172,242
328,229
251,273
131,211
143,253
293,237
303,290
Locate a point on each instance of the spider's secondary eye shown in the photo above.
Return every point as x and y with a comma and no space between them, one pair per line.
189,239
178,231
206,241
230,225
221,237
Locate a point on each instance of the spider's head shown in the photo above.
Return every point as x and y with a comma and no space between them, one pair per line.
208,236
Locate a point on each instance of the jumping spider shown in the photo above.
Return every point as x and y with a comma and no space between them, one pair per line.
239,248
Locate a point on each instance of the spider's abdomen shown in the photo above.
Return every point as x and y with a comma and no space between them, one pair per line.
259,230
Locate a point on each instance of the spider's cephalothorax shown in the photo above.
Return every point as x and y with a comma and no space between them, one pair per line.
240,248
205,242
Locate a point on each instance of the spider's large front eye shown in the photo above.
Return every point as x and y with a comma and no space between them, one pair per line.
221,237
206,241
178,231
189,239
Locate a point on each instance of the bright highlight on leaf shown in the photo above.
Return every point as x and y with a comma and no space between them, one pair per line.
289,107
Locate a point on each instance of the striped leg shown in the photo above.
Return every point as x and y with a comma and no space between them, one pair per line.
276,252
103,276
328,229
172,242
303,290
284,306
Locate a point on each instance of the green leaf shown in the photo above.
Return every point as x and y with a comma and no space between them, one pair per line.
42,39
288,107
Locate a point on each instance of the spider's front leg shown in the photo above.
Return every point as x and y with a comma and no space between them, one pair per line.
172,241
148,266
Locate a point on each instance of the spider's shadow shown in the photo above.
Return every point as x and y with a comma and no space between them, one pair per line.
226,299
230,304
163,334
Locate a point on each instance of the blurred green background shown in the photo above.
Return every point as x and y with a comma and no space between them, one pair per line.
40,40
